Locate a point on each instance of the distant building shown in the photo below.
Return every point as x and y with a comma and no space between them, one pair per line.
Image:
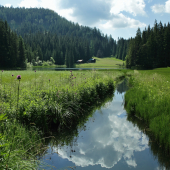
92,60
79,61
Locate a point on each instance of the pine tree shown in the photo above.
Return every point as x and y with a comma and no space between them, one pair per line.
21,54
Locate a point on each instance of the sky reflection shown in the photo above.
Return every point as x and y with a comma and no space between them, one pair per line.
107,140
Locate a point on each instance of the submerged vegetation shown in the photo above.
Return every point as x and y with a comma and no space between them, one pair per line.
148,99
34,103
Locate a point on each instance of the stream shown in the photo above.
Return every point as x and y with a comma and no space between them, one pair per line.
106,141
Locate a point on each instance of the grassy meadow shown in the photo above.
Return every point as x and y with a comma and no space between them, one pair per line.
149,100
41,101
109,62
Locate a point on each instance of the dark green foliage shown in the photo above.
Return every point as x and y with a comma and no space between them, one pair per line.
12,48
121,49
149,49
46,35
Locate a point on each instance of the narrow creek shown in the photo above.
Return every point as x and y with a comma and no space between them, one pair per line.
106,141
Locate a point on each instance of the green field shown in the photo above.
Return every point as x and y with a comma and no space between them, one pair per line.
109,62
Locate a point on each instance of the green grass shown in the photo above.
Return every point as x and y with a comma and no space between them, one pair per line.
149,99
18,146
44,100
109,62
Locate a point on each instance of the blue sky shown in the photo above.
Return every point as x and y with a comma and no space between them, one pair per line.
120,18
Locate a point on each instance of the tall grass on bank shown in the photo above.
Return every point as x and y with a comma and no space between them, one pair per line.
149,100
58,96
58,100
18,145
158,152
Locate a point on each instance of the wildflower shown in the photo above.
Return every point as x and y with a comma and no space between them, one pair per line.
74,77
19,77
12,75
49,80
70,71
2,70
35,71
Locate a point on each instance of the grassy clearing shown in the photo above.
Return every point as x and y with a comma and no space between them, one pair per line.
109,62
149,99
42,101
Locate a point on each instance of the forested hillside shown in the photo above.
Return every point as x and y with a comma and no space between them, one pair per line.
150,48
46,35
50,37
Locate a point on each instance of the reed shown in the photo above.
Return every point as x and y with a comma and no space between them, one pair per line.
18,145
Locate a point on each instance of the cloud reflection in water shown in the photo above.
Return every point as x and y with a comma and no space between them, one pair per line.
110,138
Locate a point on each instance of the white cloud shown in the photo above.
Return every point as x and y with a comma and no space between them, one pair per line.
121,21
159,8
167,6
135,7
7,5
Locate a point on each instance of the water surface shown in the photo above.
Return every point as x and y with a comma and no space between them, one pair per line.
106,141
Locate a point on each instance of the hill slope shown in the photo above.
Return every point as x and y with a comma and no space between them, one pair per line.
46,35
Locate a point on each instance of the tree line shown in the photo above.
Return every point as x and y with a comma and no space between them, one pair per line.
150,48
12,48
